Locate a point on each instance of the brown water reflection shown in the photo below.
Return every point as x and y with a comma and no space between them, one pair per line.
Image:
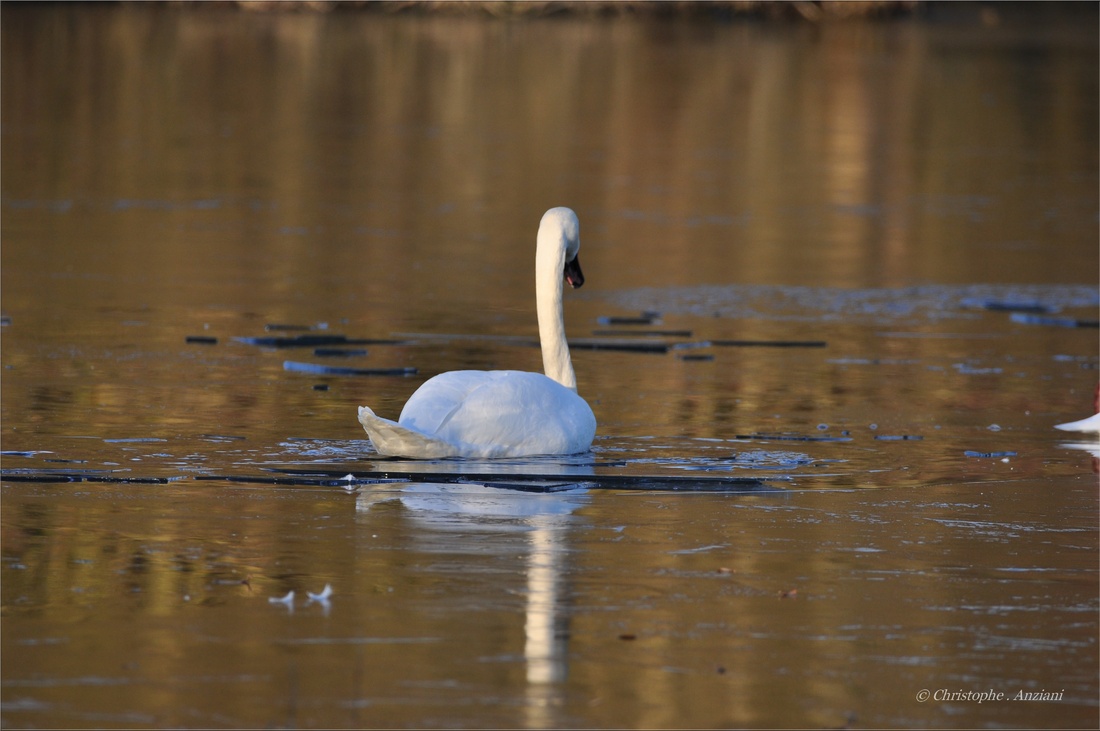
664,611
171,173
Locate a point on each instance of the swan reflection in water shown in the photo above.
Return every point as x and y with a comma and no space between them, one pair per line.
544,517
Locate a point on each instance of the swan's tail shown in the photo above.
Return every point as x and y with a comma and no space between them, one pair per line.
393,440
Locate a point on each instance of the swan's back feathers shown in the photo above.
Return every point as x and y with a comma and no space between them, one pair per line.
434,404
486,414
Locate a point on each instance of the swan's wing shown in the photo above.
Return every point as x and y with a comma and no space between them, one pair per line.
434,404
485,415
394,440
516,414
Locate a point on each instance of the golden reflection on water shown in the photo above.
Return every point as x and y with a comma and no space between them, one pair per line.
390,171
640,610
168,173
689,147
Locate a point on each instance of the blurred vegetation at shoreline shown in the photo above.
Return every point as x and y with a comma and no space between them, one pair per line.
987,13
810,10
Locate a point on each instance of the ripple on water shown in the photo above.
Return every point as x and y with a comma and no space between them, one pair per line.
878,305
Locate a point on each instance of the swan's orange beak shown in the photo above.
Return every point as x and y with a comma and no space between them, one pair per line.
573,273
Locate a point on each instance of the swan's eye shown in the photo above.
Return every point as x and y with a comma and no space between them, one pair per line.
573,273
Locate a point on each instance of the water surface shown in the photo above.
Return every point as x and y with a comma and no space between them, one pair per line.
825,479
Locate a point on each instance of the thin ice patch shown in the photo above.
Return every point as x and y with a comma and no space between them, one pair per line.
815,304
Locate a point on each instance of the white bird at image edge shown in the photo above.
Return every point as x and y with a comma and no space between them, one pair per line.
1091,424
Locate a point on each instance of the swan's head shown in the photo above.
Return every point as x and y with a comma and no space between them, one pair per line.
560,229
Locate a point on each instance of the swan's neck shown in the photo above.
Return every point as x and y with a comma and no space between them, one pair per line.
549,283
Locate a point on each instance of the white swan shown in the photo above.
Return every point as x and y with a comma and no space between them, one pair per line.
1092,423
489,414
